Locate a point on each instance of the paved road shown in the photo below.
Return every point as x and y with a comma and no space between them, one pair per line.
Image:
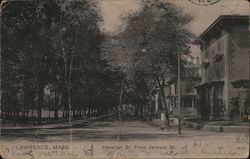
107,129
137,134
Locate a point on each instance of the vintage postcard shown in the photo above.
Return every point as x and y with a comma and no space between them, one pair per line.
124,79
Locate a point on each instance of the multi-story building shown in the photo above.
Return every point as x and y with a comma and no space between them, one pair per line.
224,89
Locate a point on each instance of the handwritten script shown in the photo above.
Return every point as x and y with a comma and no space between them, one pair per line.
195,147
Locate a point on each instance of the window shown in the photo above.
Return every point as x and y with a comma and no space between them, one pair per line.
206,69
218,67
186,102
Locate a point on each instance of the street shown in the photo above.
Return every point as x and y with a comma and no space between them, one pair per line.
109,129
142,137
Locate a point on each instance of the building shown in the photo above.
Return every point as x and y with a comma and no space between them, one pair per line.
188,92
224,89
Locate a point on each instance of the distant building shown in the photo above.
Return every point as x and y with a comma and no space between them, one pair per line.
224,89
188,93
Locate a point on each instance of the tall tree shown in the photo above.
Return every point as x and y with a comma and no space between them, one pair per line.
76,39
149,42
49,42
27,45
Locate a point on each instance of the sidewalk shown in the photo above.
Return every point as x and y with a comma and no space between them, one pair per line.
58,125
216,126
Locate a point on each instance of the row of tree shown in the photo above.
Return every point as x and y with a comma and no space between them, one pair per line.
58,46
146,49
54,45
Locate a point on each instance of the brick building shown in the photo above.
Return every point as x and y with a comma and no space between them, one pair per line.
224,89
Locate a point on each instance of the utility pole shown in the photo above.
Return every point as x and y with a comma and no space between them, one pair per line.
179,91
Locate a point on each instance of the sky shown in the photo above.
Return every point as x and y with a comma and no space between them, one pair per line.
112,10
203,16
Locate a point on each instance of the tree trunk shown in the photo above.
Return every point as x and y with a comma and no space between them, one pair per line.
77,113
67,74
40,103
56,104
100,110
141,112
164,106
136,111
74,113
56,114
120,105
17,114
32,112
163,99
150,106
23,111
88,112
49,113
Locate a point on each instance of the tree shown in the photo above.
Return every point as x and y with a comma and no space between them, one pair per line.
49,43
76,36
28,46
149,42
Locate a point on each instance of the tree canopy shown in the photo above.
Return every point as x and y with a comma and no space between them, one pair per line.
147,45
53,45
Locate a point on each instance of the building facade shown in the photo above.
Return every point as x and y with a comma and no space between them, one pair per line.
188,92
224,89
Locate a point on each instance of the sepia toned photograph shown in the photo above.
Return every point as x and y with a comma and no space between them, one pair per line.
124,79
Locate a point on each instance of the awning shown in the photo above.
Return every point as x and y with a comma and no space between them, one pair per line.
241,83
209,84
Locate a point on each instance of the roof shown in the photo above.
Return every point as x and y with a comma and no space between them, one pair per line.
209,84
222,20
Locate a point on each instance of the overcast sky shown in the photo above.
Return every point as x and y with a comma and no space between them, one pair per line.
203,15
112,10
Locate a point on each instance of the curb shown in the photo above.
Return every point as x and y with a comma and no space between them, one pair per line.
160,123
65,126
235,128
216,128
226,128
157,122
191,124
212,128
